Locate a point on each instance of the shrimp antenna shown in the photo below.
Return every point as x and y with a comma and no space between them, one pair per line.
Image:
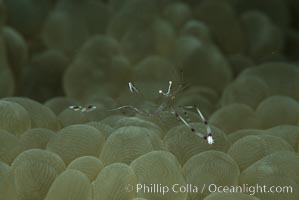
136,110
132,88
167,94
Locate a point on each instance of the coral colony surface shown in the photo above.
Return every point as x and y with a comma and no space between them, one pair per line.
149,100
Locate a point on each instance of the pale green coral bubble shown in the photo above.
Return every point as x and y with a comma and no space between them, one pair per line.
263,38
98,59
223,23
252,148
197,29
10,147
278,110
177,13
14,118
289,133
210,167
126,19
75,141
281,78
70,117
128,143
235,136
89,165
40,115
158,38
256,91
278,169
35,78
135,121
17,51
58,104
34,172
159,167
36,138
233,117
71,184
277,10
64,32
27,16
4,169
195,62
115,182
102,127
281,164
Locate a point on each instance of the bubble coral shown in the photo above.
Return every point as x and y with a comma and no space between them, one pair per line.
281,78
69,117
125,19
58,104
75,141
40,115
64,32
235,136
49,63
128,143
210,167
263,38
149,75
234,117
36,138
34,171
70,184
98,60
7,182
277,169
28,16
14,118
289,133
195,62
89,165
7,82
276,10
256,91
159,167
222,21
252,148
112,182
102,127
10,147
278,110
17,53
158,38
195,29
4,169
177,13
72,22
135,121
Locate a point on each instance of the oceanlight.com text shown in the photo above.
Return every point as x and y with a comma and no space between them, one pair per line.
211,188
